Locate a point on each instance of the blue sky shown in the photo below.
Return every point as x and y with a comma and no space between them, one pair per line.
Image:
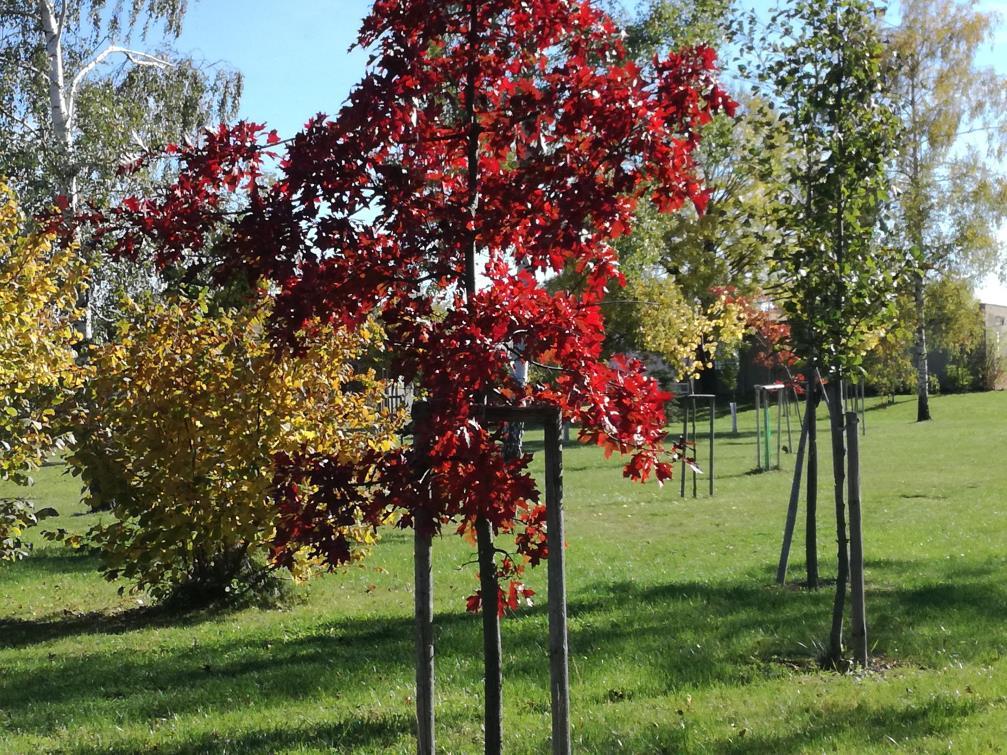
294,58
293,54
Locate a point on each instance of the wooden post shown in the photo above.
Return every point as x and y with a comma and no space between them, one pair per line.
734,417
836,419
863,406
811,522
558,648
858,616
795,494
758,434
713,435
423,595
786,413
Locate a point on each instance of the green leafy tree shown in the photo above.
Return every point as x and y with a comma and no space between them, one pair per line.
676,264
888,365
952,196
823,74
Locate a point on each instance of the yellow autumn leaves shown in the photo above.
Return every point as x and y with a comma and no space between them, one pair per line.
679,330
38,374
185,413
176,421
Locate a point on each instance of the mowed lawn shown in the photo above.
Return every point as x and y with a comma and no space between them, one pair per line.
680,640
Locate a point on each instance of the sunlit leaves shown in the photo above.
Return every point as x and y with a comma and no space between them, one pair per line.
520,132
188,411
38,373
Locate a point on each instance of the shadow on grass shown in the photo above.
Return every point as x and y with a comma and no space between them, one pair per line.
887,727
674,637
21,633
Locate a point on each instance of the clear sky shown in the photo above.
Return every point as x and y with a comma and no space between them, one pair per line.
295,60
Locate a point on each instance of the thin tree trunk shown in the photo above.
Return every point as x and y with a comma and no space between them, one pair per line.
492,651
60,117
488,582
811,522
835,652
920,346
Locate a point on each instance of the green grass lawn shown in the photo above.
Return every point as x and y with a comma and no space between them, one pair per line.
680,641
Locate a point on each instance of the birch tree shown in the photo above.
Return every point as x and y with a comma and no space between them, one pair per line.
953,198
87,85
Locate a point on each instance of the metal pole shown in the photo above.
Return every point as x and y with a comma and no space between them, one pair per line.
713,435
779,421
758,434
692,408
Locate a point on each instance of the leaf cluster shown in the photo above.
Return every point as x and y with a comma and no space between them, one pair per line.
187,412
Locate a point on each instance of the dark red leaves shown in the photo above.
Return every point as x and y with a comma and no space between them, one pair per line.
371,216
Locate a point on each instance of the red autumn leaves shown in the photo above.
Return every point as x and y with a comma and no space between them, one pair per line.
371,215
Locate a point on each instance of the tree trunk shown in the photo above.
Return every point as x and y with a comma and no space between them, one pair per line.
835,652
60,119
920,346
492,651
811,523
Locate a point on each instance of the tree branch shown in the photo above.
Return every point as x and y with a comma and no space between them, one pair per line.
135,57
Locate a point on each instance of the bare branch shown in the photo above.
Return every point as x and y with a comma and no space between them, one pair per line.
135,57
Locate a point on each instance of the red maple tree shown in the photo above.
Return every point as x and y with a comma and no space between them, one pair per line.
511,138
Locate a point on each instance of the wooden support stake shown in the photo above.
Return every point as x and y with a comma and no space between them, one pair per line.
858,615
811,521
786,412
558,648
767,435
492,650
423,596
863,406
795,494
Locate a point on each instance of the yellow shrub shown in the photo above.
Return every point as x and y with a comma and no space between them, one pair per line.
38,376
188,410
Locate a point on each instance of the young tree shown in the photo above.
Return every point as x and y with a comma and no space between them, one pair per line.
515,137
77,100
952,198
824,71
